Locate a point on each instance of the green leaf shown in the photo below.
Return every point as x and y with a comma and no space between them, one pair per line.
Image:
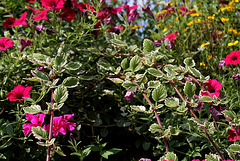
189,62
197,121
105,65
112,151
172,102
60,94
195,72
148,46
171,156
2,156
118,42
135,64
230,114
155,72
40,58
138,108
70,82
159,94
73,66
182,108
189,89
116,80
206,99
47,143
125,63
59,151
155,128
39,133
170,69
235,148
40,75
146,145
33,109
59,62
212,157
153,84
128,85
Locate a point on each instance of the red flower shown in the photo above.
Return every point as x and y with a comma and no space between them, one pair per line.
233,58
67,14
36,120
184,10
41,16
84,6
53,4
232,135
22,20
213,87
19,92
5,43
171,37
34,11
10,22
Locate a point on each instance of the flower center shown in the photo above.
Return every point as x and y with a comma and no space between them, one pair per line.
19,95
234,58
212,91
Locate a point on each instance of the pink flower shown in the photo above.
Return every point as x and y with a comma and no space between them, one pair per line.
5,43
148,11
19,92
233,58
130,96
36,120
171,37
184,10
84,6
22,20
232,135
60,124
213,87
34,11
30,1
10,22
41,16
53,4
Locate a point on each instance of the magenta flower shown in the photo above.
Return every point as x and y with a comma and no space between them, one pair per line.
130,96
67,14
25,44
148,11
233,58
53,4
19,92
184,11
213,87
232,135
5,43
145,159
36,120
221,63
41,16
22,20
9,22
60,125
39,28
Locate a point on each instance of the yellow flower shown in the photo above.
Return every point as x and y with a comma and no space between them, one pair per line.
202,64
224,19
211,17
194,9
209,57
185,30
148,25
159,24
196,14
220,33
235,32
198,21
190,23
165,29
135,27
177,18
205,44
233,43
158,3
230,68
171,27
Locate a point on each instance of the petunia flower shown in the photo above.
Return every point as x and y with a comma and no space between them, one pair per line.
232,135
233,58
19,92
60,125
53,4
22,20
25,44
67,14
39,28
130,96
213,87
41,16
116,29
36,120
9,22
148,11
236,76
5,43
221,63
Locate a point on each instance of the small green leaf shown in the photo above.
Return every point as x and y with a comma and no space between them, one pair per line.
105,65
59,62
60,94
40,75
128,85
148,45
212,157
153,84
70,82
47,143
146,145
112,151
197,121
195,72
189,62
118,42
39,133
59,151
138,108
182,108
230,114
2,156
189,89
125,63
135,64
155,72
172,102
159,94
33,109
155,128
235,148
206,99
40,58
73,66
171,156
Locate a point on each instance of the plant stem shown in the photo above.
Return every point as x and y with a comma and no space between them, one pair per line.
51,120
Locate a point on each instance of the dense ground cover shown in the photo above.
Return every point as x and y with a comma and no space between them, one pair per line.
98,80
